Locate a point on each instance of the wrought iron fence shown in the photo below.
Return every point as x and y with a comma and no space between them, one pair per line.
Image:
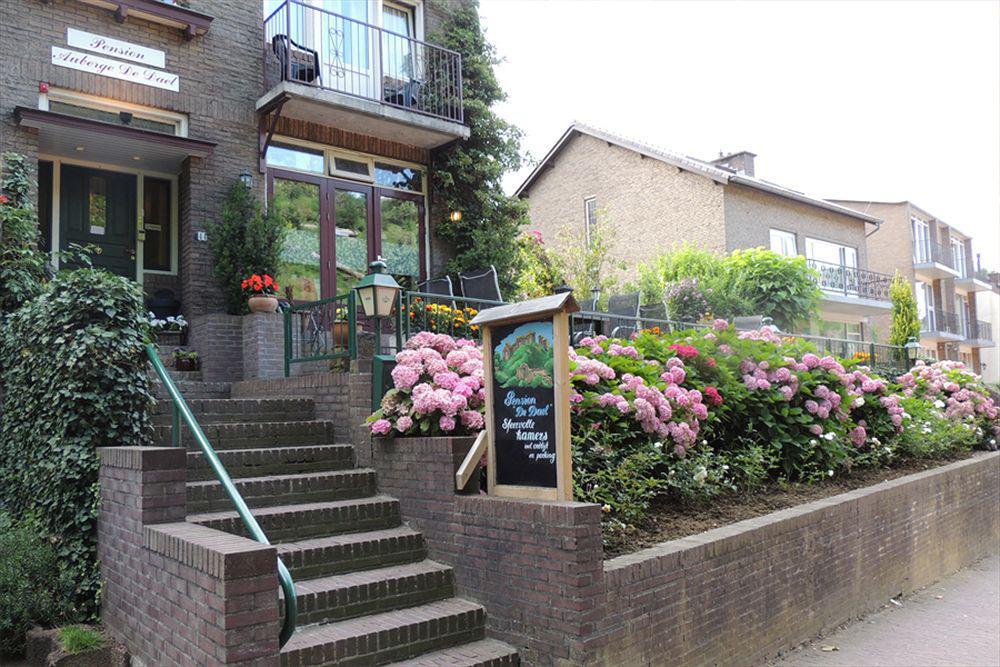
852,281
321,330
981,330
346,54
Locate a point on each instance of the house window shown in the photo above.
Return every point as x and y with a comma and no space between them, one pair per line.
97,205
589,215
295,157
81,105
921,240
399,177
958,252
157,224
352,166
831,253
783,243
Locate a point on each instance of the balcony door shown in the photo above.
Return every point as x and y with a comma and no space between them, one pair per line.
921,240
837,265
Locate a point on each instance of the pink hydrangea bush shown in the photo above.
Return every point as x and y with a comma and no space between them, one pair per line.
437,389
956,390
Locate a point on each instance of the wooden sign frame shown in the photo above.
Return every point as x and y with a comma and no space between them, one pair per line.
556,309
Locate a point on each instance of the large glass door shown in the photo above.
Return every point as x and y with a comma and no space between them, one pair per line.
352,220
400,217
300,202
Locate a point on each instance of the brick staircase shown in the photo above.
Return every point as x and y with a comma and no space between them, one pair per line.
367,593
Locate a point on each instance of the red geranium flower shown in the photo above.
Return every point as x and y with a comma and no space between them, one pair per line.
714,397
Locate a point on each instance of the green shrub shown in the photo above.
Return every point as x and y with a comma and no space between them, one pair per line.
73,369
905,320
33,591
587,263
244,242
80,638
687,301
783,288
22,263
537,276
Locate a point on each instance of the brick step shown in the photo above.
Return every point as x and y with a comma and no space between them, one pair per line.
354,594
289,523
240,410
192,390
382,638
178,376
483,653
277,461
337,554
276,490
255,435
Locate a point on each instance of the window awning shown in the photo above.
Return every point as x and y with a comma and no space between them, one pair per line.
113,145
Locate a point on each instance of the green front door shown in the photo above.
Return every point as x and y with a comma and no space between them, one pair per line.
99,208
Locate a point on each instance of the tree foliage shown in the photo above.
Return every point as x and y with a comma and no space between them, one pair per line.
905,319
244,242
466,176
22,263
782,288
585,263
73,372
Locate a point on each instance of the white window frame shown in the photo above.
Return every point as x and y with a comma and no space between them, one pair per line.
782,235
958,255
587,224
178,120
842,247
921,230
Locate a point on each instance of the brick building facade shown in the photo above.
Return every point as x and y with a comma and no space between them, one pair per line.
656,200
141,116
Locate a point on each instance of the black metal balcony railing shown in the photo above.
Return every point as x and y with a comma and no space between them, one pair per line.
852,281
942,321
319,48
981,330
926,251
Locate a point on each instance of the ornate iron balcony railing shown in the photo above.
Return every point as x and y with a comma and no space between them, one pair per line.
851,281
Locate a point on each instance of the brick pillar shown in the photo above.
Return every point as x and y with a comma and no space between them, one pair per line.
176,593
218,338
263,346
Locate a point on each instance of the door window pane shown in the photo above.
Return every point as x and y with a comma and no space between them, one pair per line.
351,219
401,239
97,205
297,205
157,224
783,243
295,157
397,49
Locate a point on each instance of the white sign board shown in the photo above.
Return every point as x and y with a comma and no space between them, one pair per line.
115,69
115,48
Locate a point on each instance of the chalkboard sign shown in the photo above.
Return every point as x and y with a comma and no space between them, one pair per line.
526,350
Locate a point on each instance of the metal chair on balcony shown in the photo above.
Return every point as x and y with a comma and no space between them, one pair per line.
298,63
626,306
481,284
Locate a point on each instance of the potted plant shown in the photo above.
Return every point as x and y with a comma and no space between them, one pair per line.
437,392
261,293
186,360
339,331
169,331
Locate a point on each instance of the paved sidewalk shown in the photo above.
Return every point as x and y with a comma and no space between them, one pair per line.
955,623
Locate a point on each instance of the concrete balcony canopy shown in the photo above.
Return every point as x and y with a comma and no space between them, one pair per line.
980,334
850,293
933,261
941,326
337,71
973,280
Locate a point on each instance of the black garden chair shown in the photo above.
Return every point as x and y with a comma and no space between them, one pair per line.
481,284
625,306
304,65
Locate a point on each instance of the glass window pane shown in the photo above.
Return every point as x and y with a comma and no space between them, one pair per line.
297,205
113,117
295,157
401,239
401,178
156,222
351,219
348,166
783,243
97,205
831,253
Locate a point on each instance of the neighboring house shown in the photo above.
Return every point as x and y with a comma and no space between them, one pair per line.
656,200
142,114
941,263
988,310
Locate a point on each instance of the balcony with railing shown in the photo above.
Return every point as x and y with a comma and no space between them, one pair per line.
938,324
932,261
849,290
336,70
971,279
978,334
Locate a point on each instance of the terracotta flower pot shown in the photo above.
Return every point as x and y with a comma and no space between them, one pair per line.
262,304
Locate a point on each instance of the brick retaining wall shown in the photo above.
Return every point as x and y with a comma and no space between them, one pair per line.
177,593
737,595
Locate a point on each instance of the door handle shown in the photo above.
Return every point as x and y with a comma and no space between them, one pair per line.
131,253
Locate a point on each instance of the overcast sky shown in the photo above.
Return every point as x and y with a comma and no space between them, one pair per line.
862,100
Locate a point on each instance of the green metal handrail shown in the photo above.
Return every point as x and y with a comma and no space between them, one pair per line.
181,411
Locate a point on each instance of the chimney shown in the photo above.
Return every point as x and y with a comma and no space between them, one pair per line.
741,163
